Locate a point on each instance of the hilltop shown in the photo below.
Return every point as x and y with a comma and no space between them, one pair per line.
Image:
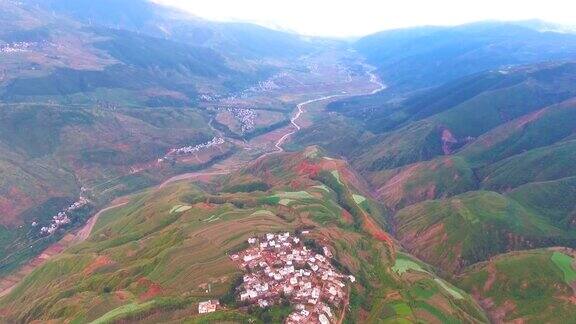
155,258
467,169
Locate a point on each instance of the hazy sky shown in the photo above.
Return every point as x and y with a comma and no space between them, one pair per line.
360,17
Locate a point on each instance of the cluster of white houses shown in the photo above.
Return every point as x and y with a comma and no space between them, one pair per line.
237,99
186,150
280,267
16,47
62,218
246,117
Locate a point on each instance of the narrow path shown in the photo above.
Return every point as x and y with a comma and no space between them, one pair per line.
373,79
8,283
191,175
85,231
294,119
344,307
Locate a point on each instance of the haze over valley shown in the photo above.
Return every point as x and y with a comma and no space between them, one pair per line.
160,167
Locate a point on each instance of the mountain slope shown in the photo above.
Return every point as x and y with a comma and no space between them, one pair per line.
533,286
51,155
153,259
471,169
473,227
234,40
95,94
430,56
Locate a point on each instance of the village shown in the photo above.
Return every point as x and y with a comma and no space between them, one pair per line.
186,150
235,99
16,47
246,117
62,218
280,267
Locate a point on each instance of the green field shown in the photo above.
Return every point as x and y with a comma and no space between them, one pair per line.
180,209
151,260
566,264
535,281
404,264
464,223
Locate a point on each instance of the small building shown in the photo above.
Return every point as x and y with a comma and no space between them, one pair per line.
209,306
323,319
327,252
263,303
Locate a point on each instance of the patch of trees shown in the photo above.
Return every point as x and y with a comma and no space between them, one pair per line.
248,187
267,129
229,299
344,199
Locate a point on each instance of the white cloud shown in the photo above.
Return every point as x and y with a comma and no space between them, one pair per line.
360,17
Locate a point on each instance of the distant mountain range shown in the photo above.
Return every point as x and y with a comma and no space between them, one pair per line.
429,56
450,195
79,84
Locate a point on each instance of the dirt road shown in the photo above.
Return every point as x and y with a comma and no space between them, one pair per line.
8,283
85,231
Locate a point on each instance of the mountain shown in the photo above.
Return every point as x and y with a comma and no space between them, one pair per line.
153,259
446,118
471,227
471,169
430,56
94,94
94,50
531,286
235,40
154,164
51,155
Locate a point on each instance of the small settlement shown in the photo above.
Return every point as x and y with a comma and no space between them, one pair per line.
189,150
16,47
280,267
209,306
246,117
216,141
62,218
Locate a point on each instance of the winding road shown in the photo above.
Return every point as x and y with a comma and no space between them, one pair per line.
373,79
8,283
85,231
293,120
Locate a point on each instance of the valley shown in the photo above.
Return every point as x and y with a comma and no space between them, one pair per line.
156,167
258,145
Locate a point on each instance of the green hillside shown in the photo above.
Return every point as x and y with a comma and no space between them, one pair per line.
443,121
542,164
439,178
473,227
533,286
50,152
538,129
471,169
150,261
554,200
93,94
432,168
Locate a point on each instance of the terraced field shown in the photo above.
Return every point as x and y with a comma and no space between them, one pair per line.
158,256
535,286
